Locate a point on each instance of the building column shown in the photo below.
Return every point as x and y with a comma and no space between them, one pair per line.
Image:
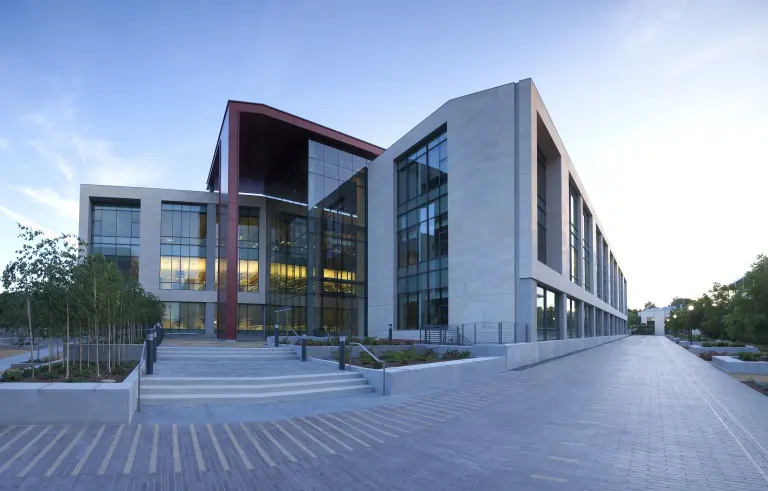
580,317
562,316
525,316
210,313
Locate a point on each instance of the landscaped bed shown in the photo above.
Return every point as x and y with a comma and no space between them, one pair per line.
332,341
78,373
761,387
408,357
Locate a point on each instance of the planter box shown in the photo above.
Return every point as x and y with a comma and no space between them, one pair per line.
428,375
683,343
734,365
29,403
729,350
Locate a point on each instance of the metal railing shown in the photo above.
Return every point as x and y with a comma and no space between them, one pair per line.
142,367
472,333
383,366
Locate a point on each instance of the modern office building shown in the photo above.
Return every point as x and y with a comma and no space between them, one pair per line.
656,317
354,238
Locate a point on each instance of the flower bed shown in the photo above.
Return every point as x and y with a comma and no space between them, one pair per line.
408,357
78,373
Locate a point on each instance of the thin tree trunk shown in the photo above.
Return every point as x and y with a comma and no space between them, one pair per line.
31,336
66,355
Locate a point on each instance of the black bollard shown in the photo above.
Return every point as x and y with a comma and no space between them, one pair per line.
304,347
155,336
390,333
150,350
342,357
277,335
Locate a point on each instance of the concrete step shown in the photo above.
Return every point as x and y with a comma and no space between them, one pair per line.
150,380
163,357
207,390
191,398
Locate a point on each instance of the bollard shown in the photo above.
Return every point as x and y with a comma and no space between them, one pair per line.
277,335
342,357
150,350
155,336
303,347
390,333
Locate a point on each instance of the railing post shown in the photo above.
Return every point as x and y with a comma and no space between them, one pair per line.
277,334
390,333
342,357
150,368
501,339
462,335
304,347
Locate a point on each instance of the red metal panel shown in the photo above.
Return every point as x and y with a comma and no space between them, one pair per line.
233,218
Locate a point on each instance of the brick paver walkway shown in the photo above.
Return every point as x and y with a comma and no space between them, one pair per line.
637,414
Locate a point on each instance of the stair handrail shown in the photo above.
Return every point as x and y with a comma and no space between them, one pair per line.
383,364
142,368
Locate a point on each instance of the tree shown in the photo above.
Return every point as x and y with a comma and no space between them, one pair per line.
649,305
748,316
633,318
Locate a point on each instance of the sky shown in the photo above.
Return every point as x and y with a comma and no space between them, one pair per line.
662,105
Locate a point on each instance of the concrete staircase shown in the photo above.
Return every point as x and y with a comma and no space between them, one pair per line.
193,375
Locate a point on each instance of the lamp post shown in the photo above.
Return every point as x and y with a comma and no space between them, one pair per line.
690,326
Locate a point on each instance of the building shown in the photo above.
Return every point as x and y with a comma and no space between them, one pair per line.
354,238
656,317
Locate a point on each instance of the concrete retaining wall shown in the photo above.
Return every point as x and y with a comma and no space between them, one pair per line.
730,350
23,403
734,365
522,354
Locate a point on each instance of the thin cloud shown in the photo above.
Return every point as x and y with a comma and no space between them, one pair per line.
68,208
27,222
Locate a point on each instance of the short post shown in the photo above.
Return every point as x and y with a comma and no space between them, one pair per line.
277,334
303,347
155,337
501,338
390,333
342,357
150,350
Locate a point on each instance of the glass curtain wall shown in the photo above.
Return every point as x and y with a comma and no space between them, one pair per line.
541,205
422,237
599,265
587,235
572,318
250,319
184,316
287,259
589,321
248,250
336,238
183,231
115,235
573,209
546,315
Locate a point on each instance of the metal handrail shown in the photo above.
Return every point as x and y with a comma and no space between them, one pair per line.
383,364
141,370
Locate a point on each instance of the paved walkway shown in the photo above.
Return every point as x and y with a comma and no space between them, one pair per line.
637,414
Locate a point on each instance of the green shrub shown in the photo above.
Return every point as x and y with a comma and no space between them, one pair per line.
750,356
12,375
456,355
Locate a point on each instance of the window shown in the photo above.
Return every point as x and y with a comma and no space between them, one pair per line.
541,201
250,317
422,235
546,315
183,230
587,235
573,209
184,316
599,267
589,321
572,318
599,323
248,249
115,234
606,272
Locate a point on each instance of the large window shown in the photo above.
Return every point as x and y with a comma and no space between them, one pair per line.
587,235
573,209
248,249
250,317
422,235
183,232
606,273
546,315
589,321
541,205
572,318
599,268
599,318
184,316
115,234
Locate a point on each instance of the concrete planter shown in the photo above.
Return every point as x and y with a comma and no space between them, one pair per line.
683,343
734,365
25,403
729,350
428,375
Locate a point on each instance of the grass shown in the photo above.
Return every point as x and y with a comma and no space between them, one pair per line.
58,372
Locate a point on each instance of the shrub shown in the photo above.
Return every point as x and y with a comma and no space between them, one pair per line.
12,375
456,355
750,356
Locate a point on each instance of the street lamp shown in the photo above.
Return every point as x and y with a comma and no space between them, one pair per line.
690,326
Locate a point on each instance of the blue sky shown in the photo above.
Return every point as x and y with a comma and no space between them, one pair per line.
662,104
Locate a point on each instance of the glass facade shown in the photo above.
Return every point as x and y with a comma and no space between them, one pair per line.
115,234
572,318
287,260
248,249
184,316
573,208
546,315
422,235
587,234
589,321
541,206
250,318
183,231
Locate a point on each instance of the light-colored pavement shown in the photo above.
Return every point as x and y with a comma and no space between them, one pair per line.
637,414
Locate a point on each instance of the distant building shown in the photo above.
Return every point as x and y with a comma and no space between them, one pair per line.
657,317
